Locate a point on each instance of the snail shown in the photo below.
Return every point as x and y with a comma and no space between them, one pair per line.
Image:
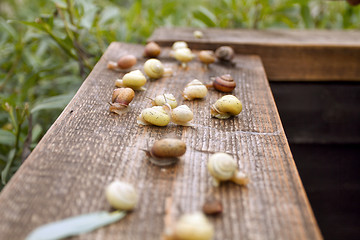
198,34
182,115
194,89
134,79
154,68
192,226
160,100
207,57
223,167
225,53
212,206
152,49
225,107
125,62
184,55
121,195
166,151
224,83
154,116
179,44
120,100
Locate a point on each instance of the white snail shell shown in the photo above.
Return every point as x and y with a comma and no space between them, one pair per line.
154,68
226,107
182,115
179,44
222,167
163,99
183,55
154,116
194,226
134,79
121,195
194,89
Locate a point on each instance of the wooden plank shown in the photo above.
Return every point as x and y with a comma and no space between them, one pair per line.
87,148
287,55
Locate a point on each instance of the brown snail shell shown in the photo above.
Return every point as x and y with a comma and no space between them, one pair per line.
207,56
225,53
224,83
126,61
120,100
167,151
152,50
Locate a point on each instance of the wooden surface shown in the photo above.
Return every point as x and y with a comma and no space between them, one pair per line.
287,55
87,148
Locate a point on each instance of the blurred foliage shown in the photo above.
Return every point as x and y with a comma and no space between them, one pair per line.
48,47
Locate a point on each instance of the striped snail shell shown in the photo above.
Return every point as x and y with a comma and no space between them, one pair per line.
224,83
154,68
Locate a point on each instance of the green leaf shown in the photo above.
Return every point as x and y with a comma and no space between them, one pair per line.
205,16
75,225
57,102
7,138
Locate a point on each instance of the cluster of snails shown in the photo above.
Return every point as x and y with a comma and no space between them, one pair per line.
164,110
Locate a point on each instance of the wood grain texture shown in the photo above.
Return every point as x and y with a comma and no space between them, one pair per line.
87,148
287,55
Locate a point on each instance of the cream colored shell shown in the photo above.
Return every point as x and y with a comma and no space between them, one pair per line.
160,100
134,79
183,55
222,166
179,44
182,115
154,68
154,116
121,195
193,226
226,107
194,89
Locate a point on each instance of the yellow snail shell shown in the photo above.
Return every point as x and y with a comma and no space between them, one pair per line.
183,55
222,167
160,100
194,89
194,226
121,195
207,56
134,79
179,44
154,68
154,116
182,115
226,107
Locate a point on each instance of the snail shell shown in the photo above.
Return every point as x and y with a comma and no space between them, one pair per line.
194,226
154,68
121,195
160,100
198,34
152,49
134,79
226,107
167,151
154,116
207,56
182,115
225,53
120,100
194,89
179,44
224,83
183,55
126,61
222,167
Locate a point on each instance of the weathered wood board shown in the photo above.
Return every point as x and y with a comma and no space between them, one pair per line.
88,147
287,55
